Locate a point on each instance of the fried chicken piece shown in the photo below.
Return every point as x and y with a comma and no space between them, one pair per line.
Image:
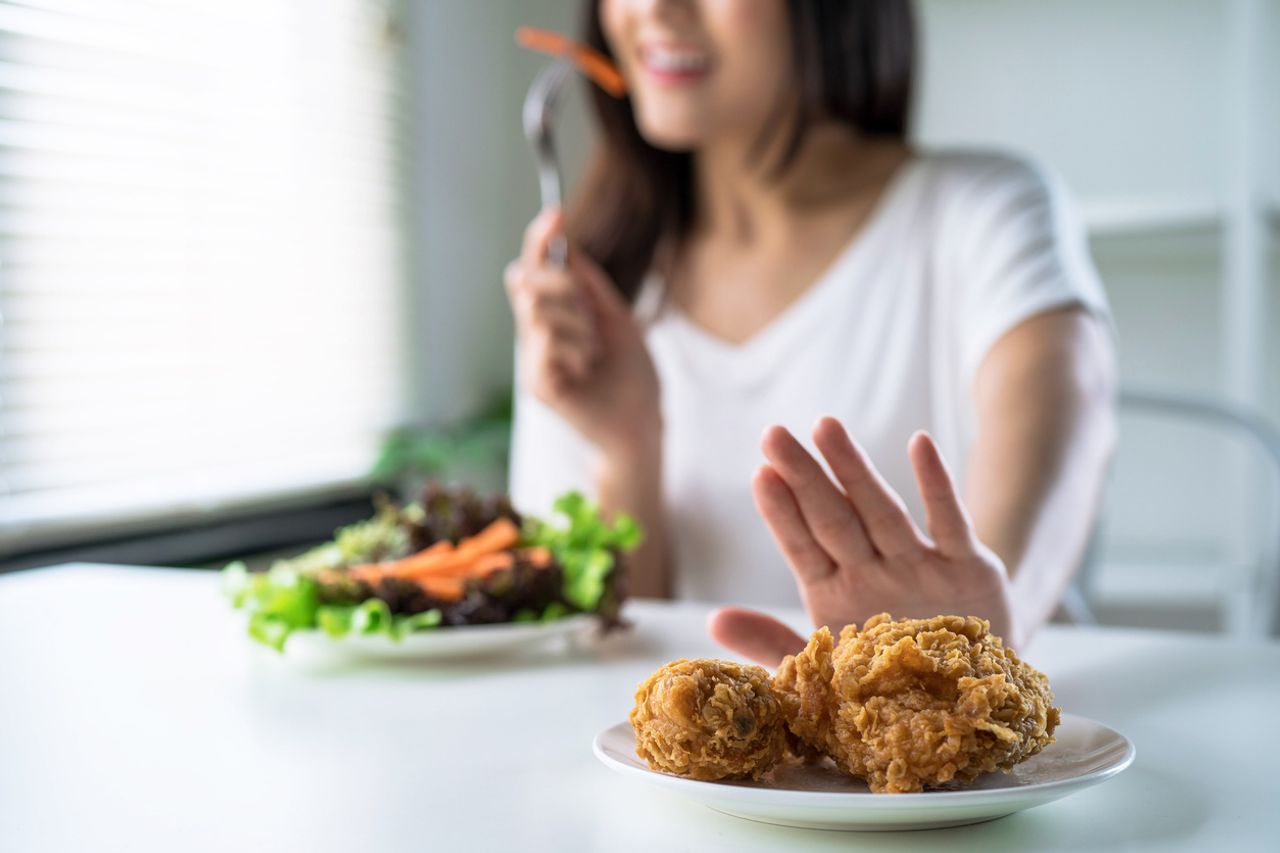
917,703
709,719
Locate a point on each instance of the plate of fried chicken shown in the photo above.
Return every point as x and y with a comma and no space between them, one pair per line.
909,724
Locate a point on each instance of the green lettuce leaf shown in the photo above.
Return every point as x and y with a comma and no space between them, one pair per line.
371,616
279,602
555,610
335,619
403,625
283,600
585,546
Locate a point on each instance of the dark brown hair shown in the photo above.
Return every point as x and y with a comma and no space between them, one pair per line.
852,62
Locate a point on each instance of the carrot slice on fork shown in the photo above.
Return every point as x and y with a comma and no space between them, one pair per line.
592,63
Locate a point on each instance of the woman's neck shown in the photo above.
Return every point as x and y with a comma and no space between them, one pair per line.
741,199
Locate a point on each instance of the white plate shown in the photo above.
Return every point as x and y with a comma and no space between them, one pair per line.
820,797
462,641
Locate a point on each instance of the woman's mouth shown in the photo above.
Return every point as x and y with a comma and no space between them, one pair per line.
671,65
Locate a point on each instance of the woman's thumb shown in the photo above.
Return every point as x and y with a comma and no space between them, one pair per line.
545,226
753,635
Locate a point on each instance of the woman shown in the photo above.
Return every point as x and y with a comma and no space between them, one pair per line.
757,244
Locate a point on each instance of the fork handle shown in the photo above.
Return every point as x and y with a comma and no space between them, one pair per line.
549,182
558,251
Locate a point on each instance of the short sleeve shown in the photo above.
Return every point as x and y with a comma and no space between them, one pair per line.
1021,251
548,457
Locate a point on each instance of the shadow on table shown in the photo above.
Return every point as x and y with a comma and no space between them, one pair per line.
1169,811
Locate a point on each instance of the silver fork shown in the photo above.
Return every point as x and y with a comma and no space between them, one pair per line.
539,114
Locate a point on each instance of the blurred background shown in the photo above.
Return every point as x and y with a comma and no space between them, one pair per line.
251,257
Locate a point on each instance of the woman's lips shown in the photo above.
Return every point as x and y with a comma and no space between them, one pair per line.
671,65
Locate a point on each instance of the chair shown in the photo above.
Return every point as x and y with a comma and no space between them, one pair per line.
1248,591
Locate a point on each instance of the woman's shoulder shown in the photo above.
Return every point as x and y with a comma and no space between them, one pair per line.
975,174
975,196
1008,237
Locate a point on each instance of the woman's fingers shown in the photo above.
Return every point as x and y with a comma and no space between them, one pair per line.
548,298
563,318
541,281
949,524
558,337
777,505
753,635
548,223
882,512
553,360
826,511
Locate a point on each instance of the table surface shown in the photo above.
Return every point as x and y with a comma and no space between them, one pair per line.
135,715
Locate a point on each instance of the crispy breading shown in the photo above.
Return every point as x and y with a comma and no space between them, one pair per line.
917,703
709,719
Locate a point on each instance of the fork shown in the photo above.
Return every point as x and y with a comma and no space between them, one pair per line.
539,114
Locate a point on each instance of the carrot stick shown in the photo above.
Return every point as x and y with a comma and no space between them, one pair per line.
539,556
444,559
369,573
442,547
439,551
441,568
373,572
490,563
446,589
592,63
450,586
462,566
498,536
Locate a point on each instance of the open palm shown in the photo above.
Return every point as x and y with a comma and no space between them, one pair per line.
855,550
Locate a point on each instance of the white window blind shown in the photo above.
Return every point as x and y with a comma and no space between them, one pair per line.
200,260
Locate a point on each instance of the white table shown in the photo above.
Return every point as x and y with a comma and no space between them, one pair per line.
135,715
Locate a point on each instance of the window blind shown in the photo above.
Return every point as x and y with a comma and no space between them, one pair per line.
200,254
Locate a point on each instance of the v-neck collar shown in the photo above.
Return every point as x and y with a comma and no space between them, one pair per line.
810,299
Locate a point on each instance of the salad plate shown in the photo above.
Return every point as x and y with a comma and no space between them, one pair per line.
1083,754
451,575
467,641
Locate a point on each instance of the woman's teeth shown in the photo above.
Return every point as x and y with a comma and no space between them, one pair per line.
675,61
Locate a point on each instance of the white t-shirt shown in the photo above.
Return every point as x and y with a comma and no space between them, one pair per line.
961,248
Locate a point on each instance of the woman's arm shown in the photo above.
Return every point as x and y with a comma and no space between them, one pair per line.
1046,424
631,482
582,355
1046,427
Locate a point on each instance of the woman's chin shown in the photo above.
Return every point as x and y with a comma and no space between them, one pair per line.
671,135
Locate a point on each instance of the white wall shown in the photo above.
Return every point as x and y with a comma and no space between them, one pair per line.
474,187
1121,96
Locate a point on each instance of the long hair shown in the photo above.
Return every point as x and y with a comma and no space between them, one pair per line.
852,62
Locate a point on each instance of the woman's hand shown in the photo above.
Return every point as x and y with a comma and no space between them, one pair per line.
854,549
581,352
